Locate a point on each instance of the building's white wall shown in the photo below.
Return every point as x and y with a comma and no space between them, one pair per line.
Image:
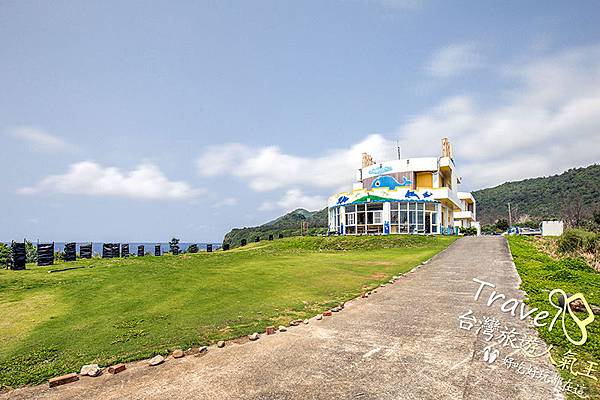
552,228
402,165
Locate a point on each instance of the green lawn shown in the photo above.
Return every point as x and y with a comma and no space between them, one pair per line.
126,309
541,274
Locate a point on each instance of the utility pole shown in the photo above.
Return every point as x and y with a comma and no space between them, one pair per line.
509,217
398,149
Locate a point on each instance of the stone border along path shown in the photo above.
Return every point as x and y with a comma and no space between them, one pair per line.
402,342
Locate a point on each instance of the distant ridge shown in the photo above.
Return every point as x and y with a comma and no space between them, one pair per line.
536,199
288,225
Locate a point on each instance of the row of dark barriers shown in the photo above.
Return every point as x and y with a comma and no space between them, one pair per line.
46,253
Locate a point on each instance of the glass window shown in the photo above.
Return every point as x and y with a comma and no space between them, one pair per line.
361,218
350,209
394,217
377,217
375,206
350,219
403,217
403,206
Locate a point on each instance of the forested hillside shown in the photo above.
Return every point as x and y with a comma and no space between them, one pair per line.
288,225
559,196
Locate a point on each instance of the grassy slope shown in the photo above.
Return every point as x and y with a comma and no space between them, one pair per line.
541,274
126,309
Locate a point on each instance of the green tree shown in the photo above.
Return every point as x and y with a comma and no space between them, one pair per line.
30,252
502,225
4,255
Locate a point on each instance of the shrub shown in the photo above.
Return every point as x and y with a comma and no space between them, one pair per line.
4,255
502,225
578,240
471,231
489,229
30,252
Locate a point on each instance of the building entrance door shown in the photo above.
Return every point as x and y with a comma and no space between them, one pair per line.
427,223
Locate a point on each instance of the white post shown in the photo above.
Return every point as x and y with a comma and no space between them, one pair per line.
387,217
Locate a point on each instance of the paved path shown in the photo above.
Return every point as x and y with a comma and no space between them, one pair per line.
403,342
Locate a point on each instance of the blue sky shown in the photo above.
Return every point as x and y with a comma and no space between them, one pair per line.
139,121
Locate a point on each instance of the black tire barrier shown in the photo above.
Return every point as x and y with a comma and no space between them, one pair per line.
141,250
257,239
107,250
125,250
18,256
270,237
116,250
157,250
45,254
85,251
225,246
281,236
174,249
70,252
193,248
243,242
209,248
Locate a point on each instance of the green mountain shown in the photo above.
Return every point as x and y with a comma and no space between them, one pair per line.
536,199
532,199
288,225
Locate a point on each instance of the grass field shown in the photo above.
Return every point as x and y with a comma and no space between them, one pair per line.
541,274
126,309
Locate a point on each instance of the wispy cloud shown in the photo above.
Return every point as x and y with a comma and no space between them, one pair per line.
42,141
146,182
454,59
294,199
268,168
546,121
225,202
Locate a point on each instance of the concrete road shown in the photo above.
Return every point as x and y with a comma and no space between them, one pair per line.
403,342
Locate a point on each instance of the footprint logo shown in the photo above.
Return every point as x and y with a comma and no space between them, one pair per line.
490,355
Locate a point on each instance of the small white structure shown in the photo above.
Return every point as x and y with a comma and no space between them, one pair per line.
552,228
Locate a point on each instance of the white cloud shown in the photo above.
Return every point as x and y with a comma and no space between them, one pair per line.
42,141
545,121
268,168
146,181
294,199
226,202
454,59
